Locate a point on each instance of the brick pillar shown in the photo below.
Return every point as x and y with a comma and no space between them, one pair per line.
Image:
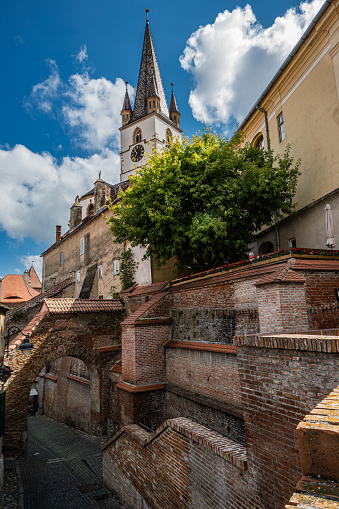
141,393
282,306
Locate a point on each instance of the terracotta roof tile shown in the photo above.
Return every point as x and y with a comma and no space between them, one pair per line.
283,274
55,289
35,281
301,264
56,306
14,290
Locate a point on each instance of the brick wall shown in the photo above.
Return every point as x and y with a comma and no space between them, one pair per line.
64,392
181,465
282,379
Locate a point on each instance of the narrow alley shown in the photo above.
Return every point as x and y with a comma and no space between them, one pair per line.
63,468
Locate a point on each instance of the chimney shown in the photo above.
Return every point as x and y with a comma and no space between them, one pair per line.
99,194
57,232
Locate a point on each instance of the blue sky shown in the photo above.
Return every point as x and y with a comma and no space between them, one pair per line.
63,70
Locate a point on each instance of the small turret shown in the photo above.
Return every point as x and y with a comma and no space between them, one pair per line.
153,99
99,194
126,112
174,112
76,214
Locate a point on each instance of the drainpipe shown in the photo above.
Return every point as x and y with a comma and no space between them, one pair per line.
269,150
150,270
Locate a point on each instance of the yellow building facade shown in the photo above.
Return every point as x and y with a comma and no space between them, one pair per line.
301,106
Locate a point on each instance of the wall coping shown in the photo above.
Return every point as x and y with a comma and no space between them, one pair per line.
139,388
303,342
199,345
222,446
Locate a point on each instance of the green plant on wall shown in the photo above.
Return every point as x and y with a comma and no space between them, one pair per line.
127,269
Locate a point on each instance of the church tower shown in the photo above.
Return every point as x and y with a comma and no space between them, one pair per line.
150,124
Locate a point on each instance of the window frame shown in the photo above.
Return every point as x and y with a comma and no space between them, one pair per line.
61,257
281,127
100,272
82,246
116,267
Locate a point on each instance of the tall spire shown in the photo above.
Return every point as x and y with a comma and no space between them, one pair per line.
149,78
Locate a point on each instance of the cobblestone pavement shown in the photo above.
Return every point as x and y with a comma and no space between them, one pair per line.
63,468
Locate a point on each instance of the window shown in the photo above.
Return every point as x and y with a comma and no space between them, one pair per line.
82,246
259,143
78,276
281,127
115,267
293,242
61,257
100,272
137,135
90,209
168,135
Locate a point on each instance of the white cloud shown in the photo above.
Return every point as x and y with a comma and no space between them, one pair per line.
37,190
82,55
88,107
35,260
93,110
233,59
45,93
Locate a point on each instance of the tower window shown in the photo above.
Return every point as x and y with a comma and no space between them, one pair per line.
169,135
137,135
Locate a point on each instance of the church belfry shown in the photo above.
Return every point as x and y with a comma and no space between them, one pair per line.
148,125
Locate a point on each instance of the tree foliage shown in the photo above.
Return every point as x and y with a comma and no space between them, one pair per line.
202,199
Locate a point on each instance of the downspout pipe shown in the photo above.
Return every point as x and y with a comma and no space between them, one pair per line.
269,150
266,127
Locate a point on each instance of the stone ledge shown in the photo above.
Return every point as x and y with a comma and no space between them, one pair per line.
51,377
315,493
197,345
220,445
139,388
78,379
304,342
318,439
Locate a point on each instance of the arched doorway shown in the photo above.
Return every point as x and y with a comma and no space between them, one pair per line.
62,392
265,248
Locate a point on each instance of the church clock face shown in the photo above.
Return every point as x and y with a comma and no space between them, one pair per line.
137,153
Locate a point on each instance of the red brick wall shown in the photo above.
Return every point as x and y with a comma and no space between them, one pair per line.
66,395
183,465
282,379
282,307
210,374
143,354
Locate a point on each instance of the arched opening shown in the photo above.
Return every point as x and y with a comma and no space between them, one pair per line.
90,209
265,248
258,142
137,135
169,136
62,392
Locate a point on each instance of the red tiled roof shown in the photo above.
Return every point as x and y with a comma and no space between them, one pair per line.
301,264
283,274
14,290
35,281
41,296
56,306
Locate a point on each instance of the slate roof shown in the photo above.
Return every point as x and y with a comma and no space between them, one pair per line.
61,306
111,189
127,103
173,105
149,71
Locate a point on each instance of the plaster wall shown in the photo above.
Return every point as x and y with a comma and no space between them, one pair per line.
307,95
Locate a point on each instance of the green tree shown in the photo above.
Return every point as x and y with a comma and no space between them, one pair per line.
202,199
